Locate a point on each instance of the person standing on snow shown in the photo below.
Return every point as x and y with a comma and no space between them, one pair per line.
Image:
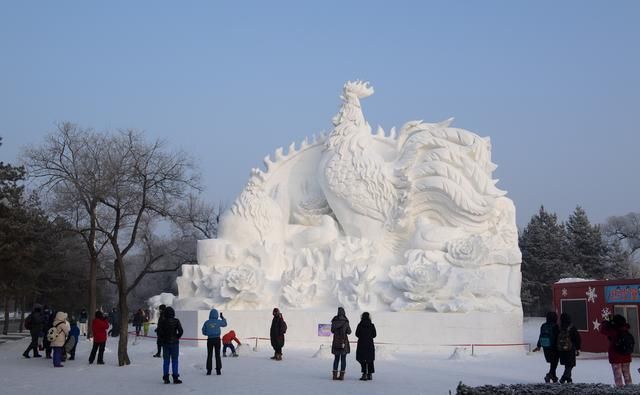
99,328
170,331
161,309
569,345
211,329
276,334
366,351
340,345
82,321
548,341
114,319
138,318
72,342
61,328
621,344
34,323
47,320
227,342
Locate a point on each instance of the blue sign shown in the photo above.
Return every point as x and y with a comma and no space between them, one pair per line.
622,293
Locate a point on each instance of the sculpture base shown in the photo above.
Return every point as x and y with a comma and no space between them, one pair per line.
401,329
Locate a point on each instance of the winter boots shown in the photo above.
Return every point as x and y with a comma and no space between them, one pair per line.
549,378
565,379
335,375
165,378
275,357
176,379
369,376
364,377
341,376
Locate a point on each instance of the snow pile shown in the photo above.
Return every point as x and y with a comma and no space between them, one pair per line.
461,353
547,389
323,352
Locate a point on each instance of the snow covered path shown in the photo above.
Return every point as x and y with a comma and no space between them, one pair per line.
298,373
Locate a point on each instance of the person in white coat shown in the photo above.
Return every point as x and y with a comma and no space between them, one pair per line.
61,330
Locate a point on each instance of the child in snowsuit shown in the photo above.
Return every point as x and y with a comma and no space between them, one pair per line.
227,343
547,340
211,329
72,342
619,357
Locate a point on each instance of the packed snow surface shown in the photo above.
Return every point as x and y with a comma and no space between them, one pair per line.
397,372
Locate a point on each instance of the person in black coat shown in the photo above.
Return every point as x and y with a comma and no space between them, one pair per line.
569,345
169,332
340,345
158,342
366,351
36,327
548,341
276,333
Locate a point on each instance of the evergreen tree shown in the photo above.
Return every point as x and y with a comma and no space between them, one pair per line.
587,248
616,261
543,243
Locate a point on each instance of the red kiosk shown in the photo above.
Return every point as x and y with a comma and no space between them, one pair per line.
589,302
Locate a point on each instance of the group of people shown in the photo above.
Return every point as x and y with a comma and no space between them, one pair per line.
52,332
561,344
169,331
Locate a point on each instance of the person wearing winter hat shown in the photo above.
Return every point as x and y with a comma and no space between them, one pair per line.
211,329
340,345
621,344
170,331
61,330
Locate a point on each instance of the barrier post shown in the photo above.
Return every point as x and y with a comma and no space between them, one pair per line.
472,350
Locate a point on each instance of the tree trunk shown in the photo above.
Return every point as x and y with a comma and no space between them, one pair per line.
5,328
121,277
22,312
92,293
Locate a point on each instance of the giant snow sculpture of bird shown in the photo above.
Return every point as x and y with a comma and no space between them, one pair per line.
438,173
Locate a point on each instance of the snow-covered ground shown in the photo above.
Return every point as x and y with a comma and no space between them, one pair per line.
299,372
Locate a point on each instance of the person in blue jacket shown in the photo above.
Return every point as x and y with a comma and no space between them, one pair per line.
211,329
72,342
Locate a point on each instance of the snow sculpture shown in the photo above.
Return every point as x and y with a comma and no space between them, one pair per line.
401,221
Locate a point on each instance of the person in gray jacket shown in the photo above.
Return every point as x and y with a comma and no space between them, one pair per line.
340,345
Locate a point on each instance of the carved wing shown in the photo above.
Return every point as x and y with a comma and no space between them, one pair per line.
446,173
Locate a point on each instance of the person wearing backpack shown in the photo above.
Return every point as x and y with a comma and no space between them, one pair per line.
569,345
621,344
35,324
57,335
547,340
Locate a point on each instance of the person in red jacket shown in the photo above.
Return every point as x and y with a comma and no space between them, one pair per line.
227,343
99,327
619,358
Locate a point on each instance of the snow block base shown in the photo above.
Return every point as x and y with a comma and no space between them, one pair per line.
547,389
401,329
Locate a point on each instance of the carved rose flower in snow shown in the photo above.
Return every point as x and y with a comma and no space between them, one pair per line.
467,252
419,277
242,285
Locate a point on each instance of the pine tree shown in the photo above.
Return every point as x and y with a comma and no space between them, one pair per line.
616,262
587,248
543,243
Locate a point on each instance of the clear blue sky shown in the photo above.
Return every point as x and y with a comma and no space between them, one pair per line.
556,84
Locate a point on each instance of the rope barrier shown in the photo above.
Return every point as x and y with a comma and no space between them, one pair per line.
472,345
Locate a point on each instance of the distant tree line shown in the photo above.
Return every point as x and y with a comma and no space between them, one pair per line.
552,250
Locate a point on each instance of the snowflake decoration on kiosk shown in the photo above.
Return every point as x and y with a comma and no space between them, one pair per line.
565,292
606,313
591,295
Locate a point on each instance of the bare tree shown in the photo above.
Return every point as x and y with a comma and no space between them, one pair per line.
70,167
197,219
148,182
626,229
